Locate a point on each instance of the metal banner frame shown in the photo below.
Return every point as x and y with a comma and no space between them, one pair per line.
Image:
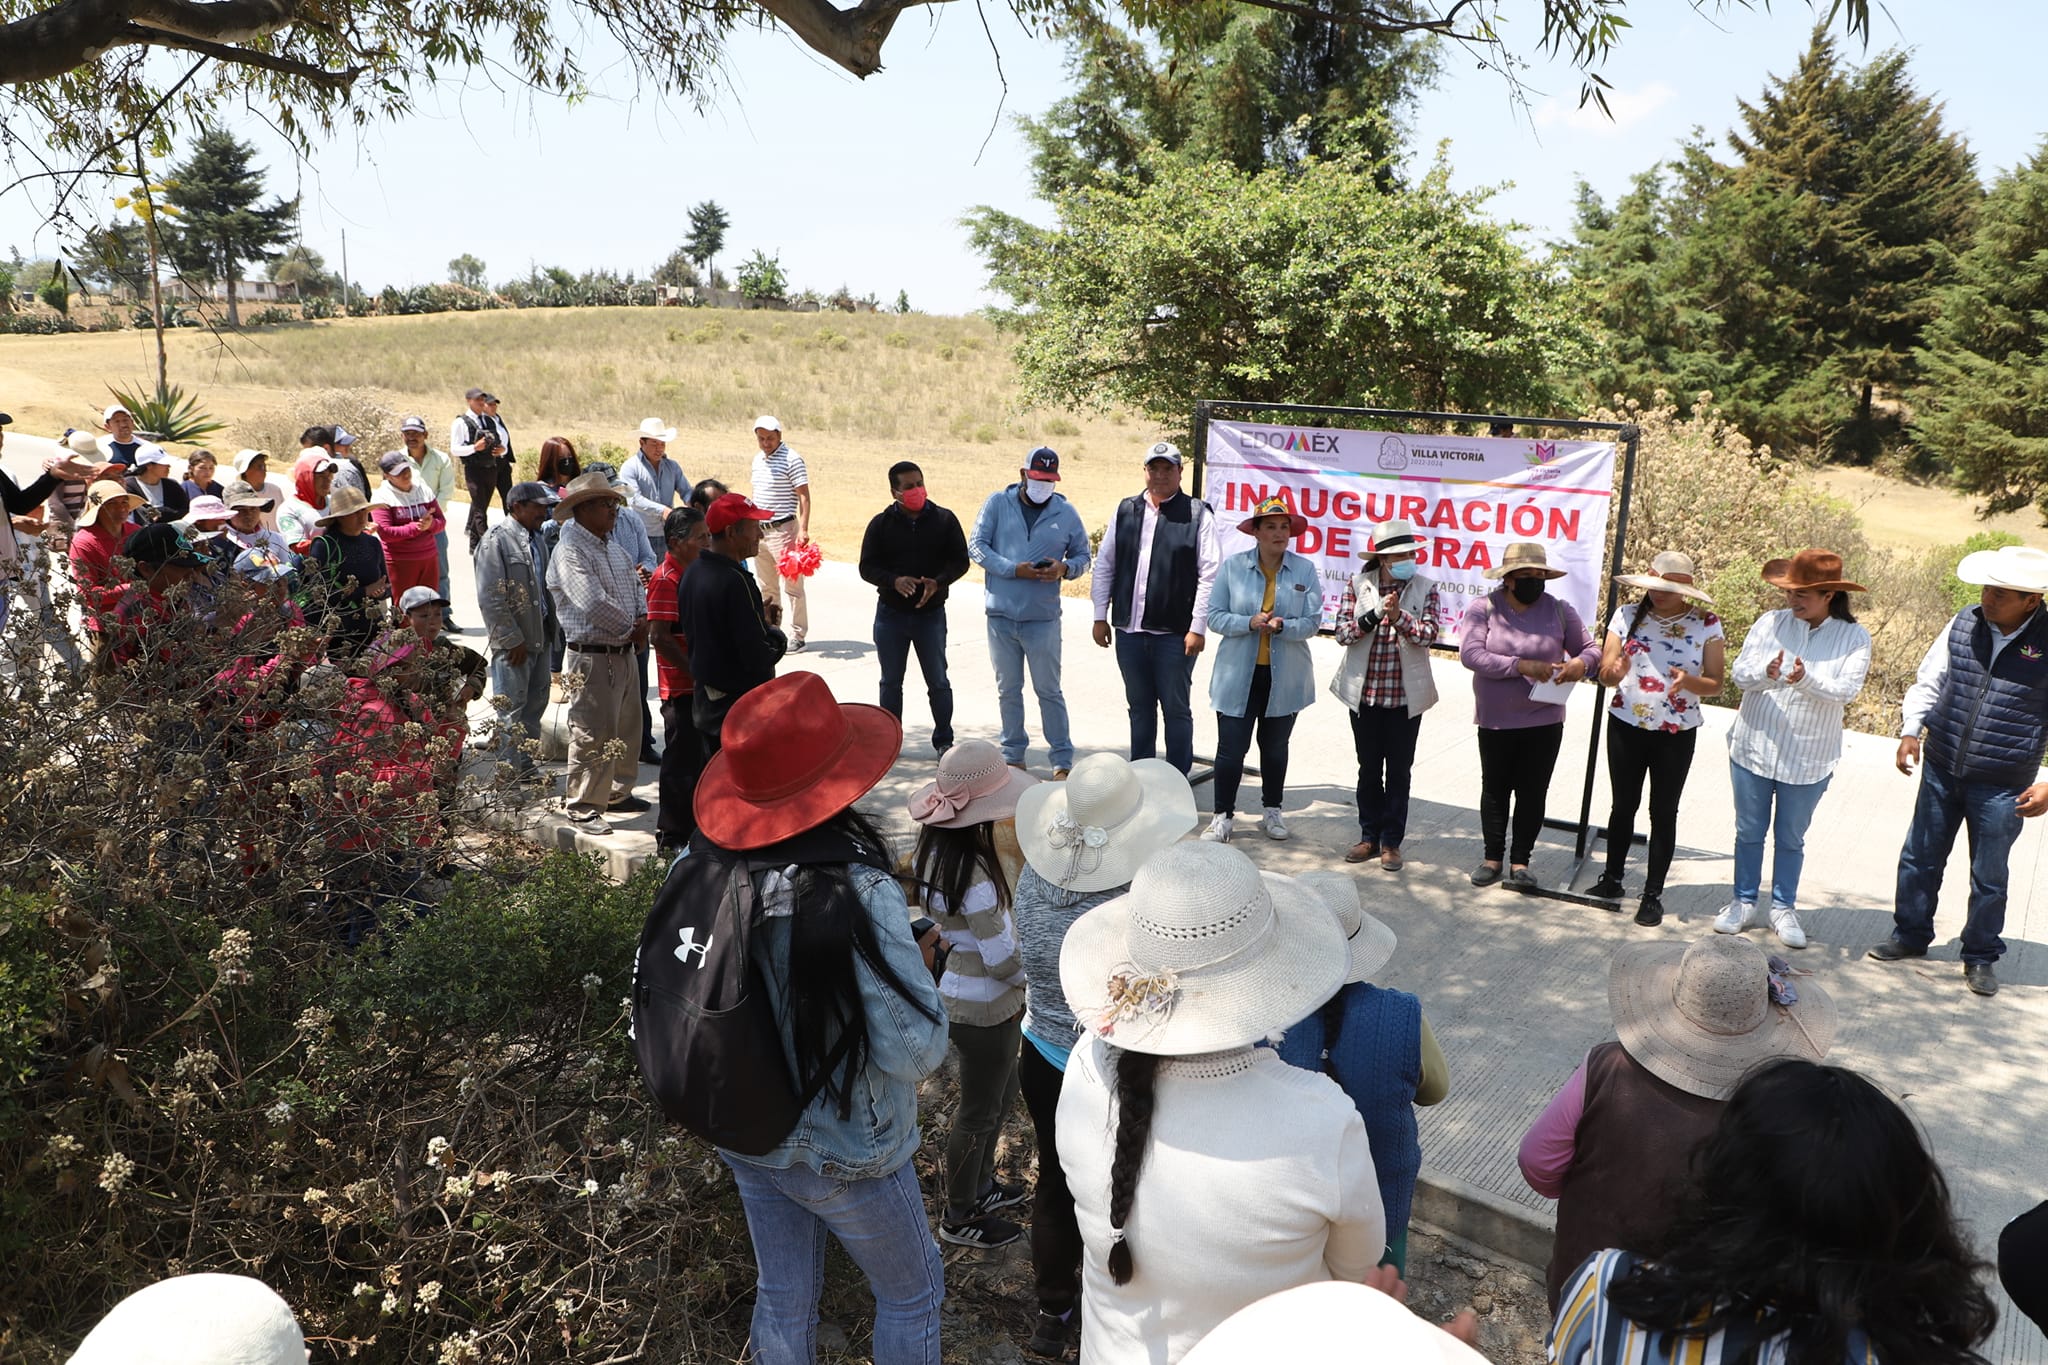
1629,435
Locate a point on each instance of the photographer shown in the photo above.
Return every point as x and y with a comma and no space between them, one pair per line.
478,439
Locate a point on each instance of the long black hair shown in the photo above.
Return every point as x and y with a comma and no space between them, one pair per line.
1838,606
828,929
1137,1079
948,862
1814,1211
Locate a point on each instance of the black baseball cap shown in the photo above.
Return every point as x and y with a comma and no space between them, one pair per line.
1043,464
6,418
474,393
160,543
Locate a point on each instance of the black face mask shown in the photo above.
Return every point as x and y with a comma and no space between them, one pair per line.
1526,590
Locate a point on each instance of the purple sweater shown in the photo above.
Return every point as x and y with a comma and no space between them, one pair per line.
1495,635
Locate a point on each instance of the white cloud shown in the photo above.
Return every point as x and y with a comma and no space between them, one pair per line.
1628,107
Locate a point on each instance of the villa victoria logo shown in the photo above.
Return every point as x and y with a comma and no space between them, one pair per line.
1541,452
1393,453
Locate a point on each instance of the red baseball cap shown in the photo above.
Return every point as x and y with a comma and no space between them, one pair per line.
732,507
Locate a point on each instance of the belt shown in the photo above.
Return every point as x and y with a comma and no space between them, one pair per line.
626,648
781,521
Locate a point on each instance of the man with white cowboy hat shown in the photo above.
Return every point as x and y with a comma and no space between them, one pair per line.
1976,721
1613,1145
1387,620
1170,1102
654,482
782,484
1153,573
603,610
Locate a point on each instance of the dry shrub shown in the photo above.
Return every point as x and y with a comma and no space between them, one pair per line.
1703,488
367,414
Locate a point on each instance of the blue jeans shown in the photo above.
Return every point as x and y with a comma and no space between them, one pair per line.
1754,796
525,688
1158,675
896,632
1944,805
1013,644
881,1223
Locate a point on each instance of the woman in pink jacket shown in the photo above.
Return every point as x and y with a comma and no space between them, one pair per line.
408,517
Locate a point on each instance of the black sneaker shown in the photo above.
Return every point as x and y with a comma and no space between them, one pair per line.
1000,1196
1052,1334
982,1230
1608,888
1650,909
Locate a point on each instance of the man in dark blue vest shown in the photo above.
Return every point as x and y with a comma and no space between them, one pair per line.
1976,719
1152,577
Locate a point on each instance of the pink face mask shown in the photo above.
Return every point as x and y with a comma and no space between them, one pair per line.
913,498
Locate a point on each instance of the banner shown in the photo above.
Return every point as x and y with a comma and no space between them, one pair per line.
1468,498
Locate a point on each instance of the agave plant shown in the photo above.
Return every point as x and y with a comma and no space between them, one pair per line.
167,413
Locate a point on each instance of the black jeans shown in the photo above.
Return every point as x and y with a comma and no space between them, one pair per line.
682,760
1055,1235
1634,753
647,715
484,475
1384,737
1517,764
1234,741
896,632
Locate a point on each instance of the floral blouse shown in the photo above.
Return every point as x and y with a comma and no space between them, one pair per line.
1644,697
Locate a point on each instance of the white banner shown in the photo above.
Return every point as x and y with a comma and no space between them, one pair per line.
1468,498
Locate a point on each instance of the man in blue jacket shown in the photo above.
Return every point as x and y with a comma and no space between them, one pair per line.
1976,721
1028,540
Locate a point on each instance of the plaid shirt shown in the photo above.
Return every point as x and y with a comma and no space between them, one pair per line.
1383,685
597,592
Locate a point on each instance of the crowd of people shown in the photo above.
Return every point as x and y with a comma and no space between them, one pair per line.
1169,1015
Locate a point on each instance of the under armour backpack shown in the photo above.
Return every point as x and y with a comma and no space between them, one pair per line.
704,1027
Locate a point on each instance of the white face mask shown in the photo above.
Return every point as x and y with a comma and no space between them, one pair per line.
1038,490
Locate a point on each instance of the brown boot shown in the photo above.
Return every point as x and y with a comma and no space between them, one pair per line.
1364,851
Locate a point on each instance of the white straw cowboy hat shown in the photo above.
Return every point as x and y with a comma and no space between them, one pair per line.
1392,537
1670,571
1700,1015
1370,941
590,484
1524,554
974,784
1204,952
204,1319
1092,831
1329,1322
2022,568
651,429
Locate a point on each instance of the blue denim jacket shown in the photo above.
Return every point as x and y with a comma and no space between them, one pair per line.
880,1132
1001,542
1240,588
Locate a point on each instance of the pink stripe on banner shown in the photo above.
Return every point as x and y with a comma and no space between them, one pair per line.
1299,472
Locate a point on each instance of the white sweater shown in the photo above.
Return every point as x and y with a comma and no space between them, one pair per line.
1257,1178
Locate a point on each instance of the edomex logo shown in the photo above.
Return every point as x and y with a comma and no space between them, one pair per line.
1393,453
1310,442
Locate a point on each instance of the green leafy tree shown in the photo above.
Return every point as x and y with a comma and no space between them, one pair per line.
467,271
216,189
56,291
761,276
678,270
903,300
708,226
304,271
114,257
1984,403
1308,284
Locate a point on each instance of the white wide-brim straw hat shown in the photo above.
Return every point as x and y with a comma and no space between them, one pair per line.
1329,1322
1700,1016
1203,953
974,785
1660,577
197,1320
651,429
1392,537
1524,554
2022,568
1370,941
1094,830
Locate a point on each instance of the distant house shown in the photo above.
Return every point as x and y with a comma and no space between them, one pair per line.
248,291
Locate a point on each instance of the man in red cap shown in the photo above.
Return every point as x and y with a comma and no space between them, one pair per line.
733,648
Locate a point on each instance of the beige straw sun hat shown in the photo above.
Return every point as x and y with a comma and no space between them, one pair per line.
1371,942
1670,571
973,785
1700,1015
1524,554
1093,831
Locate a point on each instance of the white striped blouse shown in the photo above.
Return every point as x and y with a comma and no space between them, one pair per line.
1792,731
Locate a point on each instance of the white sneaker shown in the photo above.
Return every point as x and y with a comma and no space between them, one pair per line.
1785,924
1273,826
1219,829
1735,918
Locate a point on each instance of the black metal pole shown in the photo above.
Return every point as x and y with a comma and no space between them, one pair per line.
1630,435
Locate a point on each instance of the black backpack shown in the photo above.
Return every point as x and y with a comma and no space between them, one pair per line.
704,1027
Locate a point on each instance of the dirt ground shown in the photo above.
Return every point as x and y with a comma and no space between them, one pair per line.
1920,516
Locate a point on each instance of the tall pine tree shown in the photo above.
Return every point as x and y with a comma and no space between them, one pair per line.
221,225
1984,404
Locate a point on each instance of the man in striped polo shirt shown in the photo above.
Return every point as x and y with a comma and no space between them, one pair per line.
782,488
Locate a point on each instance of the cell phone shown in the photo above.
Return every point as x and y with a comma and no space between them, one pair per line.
1044,564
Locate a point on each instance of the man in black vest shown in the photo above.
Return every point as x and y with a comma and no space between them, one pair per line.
1976,721
1152,578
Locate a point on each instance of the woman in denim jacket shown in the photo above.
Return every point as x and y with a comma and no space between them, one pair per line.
836,956
1266,605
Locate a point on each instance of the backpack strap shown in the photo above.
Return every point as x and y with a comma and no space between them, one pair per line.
1332,1014
740,884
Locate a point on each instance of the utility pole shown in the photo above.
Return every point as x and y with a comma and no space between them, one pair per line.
344,272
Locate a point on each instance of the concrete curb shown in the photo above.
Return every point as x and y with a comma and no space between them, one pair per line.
1448,1205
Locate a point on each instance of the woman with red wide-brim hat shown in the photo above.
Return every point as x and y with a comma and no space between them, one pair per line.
836,956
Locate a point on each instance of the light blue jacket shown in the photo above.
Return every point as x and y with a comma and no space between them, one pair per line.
1001,542
1235,599
880,1132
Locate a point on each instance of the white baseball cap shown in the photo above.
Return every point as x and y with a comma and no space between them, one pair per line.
150,454
113,408
766,423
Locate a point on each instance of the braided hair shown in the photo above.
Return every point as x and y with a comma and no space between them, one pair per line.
1137,1075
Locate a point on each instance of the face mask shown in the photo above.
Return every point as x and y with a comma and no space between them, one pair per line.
1526,590
912,498
1402,569
1038,490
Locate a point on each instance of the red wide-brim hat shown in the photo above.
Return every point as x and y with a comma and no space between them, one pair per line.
792,756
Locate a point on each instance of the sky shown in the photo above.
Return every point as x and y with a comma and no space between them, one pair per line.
863,183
